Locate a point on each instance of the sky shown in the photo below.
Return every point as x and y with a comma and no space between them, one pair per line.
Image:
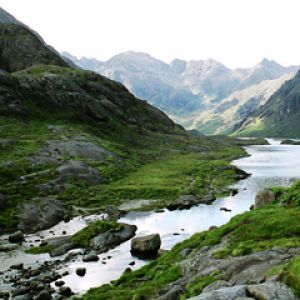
238,33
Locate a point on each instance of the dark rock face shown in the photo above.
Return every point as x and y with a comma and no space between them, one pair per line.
43,215
148,244
24,49
110,239
17,237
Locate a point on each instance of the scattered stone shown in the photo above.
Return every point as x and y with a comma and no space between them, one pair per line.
43,295
148,244
176,233
80,271
252,207
132,263
65,291
17,237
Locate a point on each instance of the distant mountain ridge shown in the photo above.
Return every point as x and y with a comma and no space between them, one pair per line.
279,116
187,90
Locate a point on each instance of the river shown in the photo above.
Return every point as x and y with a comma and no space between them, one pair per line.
270,165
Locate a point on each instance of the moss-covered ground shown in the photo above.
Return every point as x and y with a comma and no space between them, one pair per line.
149,165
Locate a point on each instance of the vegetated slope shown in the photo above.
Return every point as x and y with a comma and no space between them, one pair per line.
72,139
279,117
256,253
224,116
189,90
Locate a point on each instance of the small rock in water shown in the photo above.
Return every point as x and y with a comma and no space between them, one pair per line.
59,283
64,232
132,263
90,257
225,209
176,233
81,271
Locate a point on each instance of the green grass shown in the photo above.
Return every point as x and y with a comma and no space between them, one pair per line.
83,237
196,287
291,275
40,249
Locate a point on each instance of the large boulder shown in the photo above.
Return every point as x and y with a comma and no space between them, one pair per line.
112,238
16,237
264,197
148,244
42,214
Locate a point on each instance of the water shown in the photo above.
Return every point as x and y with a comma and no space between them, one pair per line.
270,165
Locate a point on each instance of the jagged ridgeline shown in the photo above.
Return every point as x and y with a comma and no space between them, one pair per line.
37,79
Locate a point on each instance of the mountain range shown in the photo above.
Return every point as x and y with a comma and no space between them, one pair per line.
203,95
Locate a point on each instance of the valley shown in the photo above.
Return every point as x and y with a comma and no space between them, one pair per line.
135,179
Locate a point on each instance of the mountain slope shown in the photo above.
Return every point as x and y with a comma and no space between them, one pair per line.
186,90
279,117
230,111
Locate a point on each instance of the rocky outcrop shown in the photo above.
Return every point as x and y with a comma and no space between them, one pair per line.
55,151
148,244
264,197
21,48
41,214
270,290
110,239
79,171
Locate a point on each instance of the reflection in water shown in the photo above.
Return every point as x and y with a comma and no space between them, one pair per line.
269,165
